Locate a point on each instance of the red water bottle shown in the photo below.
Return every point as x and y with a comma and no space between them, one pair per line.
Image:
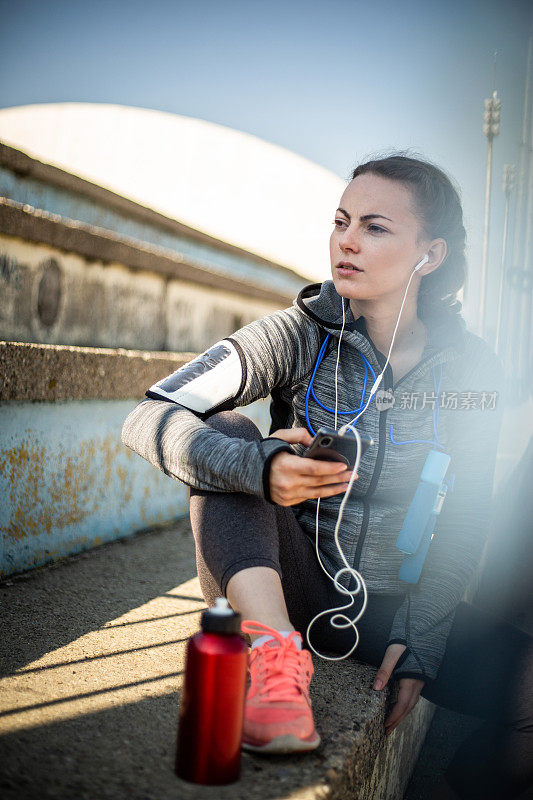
212,702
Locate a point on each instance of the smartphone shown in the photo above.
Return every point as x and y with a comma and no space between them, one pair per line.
330,446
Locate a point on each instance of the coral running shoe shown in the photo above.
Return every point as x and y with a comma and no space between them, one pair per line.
277,712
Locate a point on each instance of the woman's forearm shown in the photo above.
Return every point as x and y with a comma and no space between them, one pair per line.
181,445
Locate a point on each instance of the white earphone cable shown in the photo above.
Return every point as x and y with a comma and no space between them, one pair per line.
339,620
378,380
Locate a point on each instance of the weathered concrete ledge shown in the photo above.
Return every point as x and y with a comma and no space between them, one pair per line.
47,373
94,654
67,482
34,176
80,265
36,225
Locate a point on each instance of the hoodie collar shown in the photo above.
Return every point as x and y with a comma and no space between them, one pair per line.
322,303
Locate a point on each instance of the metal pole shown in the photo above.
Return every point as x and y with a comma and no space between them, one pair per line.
508,179
491,129
484,260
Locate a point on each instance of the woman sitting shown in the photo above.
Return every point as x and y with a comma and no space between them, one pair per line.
264,517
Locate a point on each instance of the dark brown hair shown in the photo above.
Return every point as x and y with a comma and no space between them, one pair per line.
438,207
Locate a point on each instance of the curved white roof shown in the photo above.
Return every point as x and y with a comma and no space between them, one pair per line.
228,184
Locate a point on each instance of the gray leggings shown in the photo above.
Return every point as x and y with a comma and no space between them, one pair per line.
487,669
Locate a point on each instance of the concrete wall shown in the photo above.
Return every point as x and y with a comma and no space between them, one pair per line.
83,269
33,184
66,481
80,265
50,296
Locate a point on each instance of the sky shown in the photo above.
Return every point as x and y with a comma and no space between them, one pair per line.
332,80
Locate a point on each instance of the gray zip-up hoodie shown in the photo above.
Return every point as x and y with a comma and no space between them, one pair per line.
277,355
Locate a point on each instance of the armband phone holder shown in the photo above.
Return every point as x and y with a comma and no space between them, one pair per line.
419,523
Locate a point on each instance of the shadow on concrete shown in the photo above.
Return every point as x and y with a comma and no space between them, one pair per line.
47,608
87,695
96,717
128,751
94,653
89,659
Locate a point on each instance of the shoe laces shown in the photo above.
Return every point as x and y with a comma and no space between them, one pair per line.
282,669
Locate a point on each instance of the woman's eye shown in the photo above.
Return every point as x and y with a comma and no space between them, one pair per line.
339,223
376,229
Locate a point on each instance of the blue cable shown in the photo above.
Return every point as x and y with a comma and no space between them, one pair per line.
415,441
436,441
310,391
355,410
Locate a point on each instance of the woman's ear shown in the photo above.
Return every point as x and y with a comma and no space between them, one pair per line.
436,254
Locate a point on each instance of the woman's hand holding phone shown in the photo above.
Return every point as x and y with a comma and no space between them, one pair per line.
294,479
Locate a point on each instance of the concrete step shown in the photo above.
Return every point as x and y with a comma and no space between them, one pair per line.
92,665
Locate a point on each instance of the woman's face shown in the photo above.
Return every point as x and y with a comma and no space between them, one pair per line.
377,232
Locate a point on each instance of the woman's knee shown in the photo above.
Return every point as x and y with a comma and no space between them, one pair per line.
232,423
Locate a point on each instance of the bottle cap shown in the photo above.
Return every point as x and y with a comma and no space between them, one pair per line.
221,618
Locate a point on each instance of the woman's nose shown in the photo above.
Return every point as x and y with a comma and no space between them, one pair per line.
349,240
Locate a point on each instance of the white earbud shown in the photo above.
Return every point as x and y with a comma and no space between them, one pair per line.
421,263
